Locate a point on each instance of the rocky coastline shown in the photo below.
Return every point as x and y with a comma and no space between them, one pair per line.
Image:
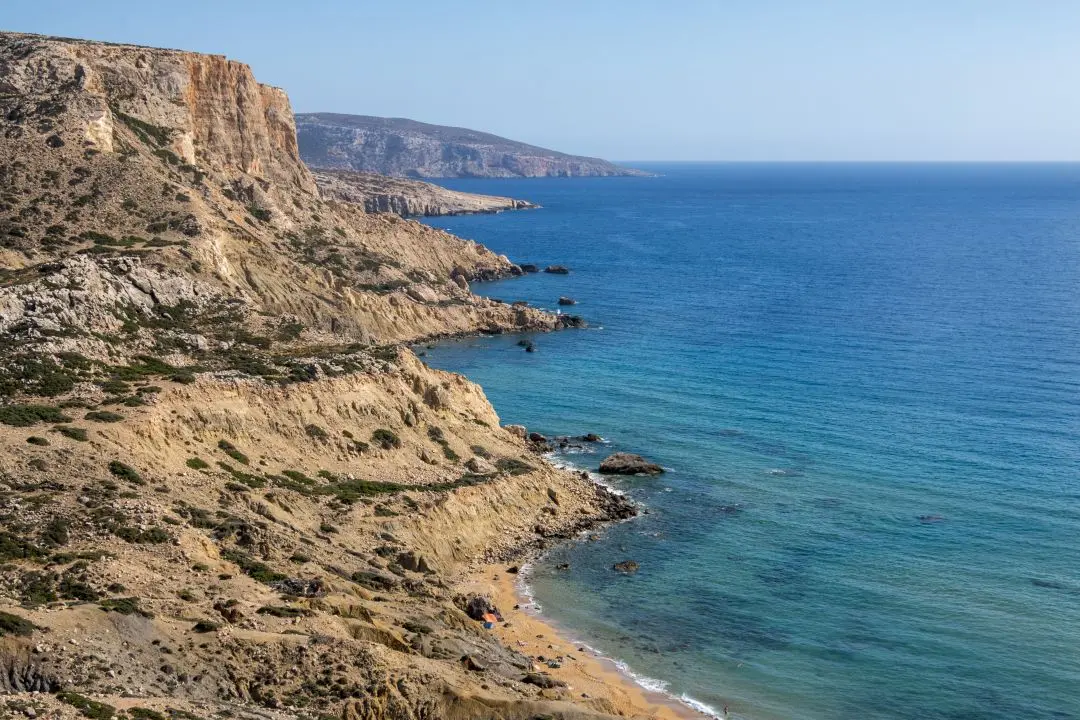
409,198
227,488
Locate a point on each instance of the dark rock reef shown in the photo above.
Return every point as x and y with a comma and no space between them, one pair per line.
628,464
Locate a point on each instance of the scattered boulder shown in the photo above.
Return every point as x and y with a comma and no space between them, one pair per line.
572,321
557,270
436,397
626,567
540,680
517,431
513,570
537,438
374,580
553,495
422,293
628,464
480,466
471,663
592,437
477,606
567,301
410,560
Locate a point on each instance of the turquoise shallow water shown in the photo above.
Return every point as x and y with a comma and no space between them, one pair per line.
865,381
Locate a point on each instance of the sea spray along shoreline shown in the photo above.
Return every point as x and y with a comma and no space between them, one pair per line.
654,687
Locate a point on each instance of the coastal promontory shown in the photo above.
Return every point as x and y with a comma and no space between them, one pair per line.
407,148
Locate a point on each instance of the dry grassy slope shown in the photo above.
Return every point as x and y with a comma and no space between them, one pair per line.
186,160
387,644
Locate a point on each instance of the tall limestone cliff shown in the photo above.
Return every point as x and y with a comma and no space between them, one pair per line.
407,148
226,490
185,162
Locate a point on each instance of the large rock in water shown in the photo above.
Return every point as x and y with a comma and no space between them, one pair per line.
629,464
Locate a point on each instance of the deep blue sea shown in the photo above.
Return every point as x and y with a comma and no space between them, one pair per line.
864,381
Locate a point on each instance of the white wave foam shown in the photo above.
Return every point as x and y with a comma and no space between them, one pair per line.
555,459
649,684
653,685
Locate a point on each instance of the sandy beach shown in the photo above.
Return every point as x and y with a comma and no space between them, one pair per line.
591,679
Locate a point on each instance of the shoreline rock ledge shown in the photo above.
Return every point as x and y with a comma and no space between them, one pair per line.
628,464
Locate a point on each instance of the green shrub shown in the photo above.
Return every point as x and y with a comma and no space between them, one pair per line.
229,449
124,606
88,708
386,439
36,440
138,713
252,481
514,466
15,625
147,132
283,612
55,533
105,416
150,536
197,463
259,212
253,568
205,626
73,433
15,547
27,415
316,432
125,472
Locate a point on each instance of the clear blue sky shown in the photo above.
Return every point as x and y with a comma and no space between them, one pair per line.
652,80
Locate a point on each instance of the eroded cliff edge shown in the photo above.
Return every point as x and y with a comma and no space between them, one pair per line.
224,488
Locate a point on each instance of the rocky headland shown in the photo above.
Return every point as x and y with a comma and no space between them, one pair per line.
407,148
408,198
226,488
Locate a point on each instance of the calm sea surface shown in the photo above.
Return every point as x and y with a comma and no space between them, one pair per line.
865,383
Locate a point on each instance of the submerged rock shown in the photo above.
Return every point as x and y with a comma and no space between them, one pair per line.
529,268
629,464
626,567
557,270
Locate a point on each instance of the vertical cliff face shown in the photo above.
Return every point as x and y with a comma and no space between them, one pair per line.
189,162
241,123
